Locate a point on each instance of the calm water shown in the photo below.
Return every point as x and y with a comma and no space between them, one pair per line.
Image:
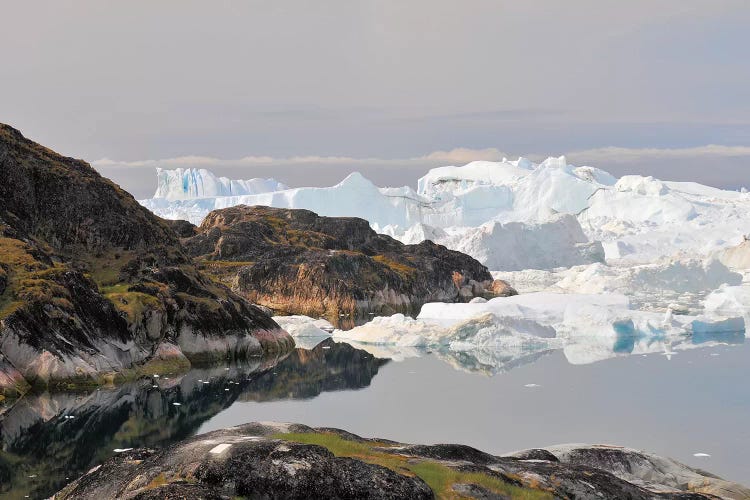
696,398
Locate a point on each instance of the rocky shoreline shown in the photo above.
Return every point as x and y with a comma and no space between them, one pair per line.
95,288
276,460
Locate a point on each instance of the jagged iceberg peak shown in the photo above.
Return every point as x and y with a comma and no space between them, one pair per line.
355,180
191,183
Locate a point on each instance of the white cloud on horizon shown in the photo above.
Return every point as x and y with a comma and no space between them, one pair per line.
458,156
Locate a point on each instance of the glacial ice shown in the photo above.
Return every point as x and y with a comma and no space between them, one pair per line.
503,212
303,326
595,257
191,183
585,331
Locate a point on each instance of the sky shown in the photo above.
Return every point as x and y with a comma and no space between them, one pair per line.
309,91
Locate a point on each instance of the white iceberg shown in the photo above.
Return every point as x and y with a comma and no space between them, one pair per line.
191,183
304,326
509,214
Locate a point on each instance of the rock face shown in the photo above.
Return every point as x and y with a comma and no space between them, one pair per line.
296,262
294,461
92,284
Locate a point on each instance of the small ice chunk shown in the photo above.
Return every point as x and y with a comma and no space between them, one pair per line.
701,455
177,404
121,450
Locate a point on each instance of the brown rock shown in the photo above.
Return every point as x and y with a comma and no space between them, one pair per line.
501,288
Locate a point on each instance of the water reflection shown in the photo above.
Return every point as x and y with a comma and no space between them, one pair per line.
578,351
47,438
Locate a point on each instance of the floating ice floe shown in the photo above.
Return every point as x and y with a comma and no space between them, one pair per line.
587,327
304,326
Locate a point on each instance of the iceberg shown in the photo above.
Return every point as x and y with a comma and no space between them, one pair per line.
304,326
192,183
510,215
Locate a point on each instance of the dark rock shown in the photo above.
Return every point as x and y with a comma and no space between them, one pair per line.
536,454
297,262
453,452
477,492
180,490
91,283
182,228
289,461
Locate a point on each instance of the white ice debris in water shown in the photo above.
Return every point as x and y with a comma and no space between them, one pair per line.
121,450
304,326
703,455
177,404
588,327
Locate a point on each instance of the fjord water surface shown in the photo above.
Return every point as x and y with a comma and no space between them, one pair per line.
689,401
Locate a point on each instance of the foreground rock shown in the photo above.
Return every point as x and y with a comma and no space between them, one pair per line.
296,262
93,286
270,460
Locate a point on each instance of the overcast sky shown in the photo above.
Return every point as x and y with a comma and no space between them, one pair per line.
380,87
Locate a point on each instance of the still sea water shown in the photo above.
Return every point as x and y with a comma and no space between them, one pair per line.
673,402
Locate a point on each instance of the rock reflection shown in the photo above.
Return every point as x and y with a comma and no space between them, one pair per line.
49,437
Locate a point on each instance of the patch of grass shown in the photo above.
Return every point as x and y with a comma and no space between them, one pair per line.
438,477
159,480
163,366
397,267
121,288
133,304
105,269
17,264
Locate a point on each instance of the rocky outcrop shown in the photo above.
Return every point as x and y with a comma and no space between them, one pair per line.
295,461
92,285
296,262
